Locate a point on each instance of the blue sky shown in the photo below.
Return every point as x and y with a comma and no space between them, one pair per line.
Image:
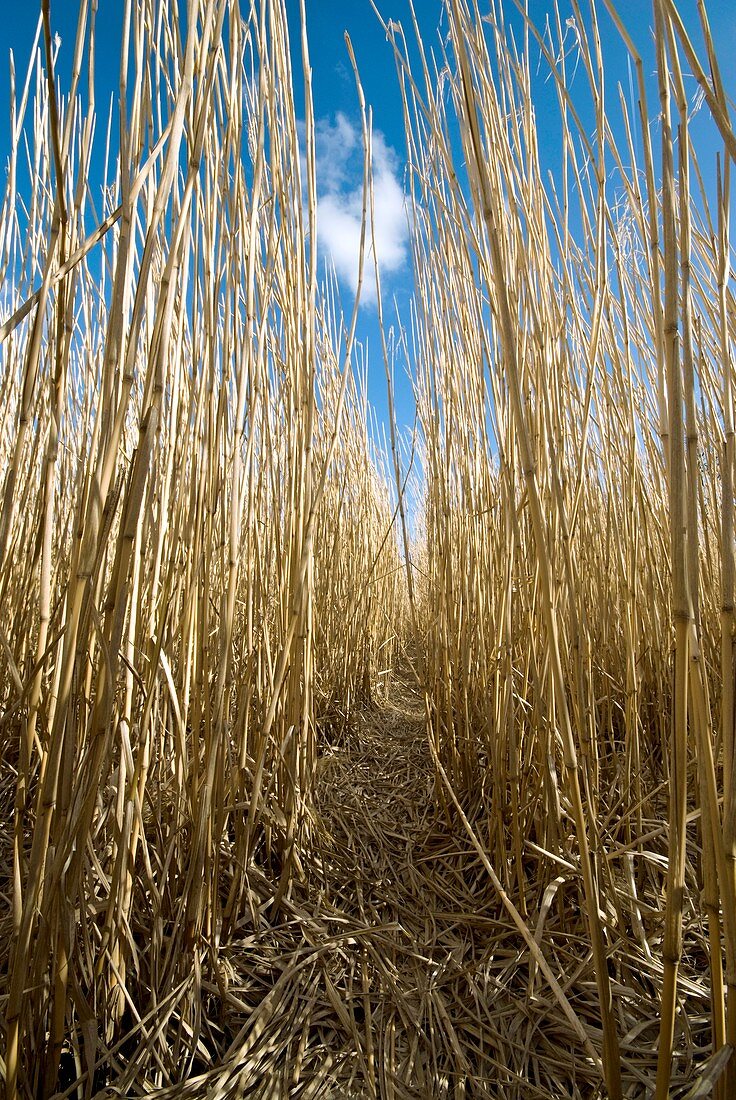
335,102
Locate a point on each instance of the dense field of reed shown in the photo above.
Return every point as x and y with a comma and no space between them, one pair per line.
347,760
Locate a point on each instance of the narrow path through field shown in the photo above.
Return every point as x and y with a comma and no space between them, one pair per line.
393,970
406,977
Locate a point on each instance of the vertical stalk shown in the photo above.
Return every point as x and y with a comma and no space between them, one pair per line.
681,600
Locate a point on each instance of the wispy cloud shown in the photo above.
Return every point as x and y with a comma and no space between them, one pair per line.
339,151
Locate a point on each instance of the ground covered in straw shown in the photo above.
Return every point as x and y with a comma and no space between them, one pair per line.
393,970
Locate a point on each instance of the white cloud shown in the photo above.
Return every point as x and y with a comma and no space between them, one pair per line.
339,151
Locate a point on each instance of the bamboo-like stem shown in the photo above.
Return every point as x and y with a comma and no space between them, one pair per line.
681,599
